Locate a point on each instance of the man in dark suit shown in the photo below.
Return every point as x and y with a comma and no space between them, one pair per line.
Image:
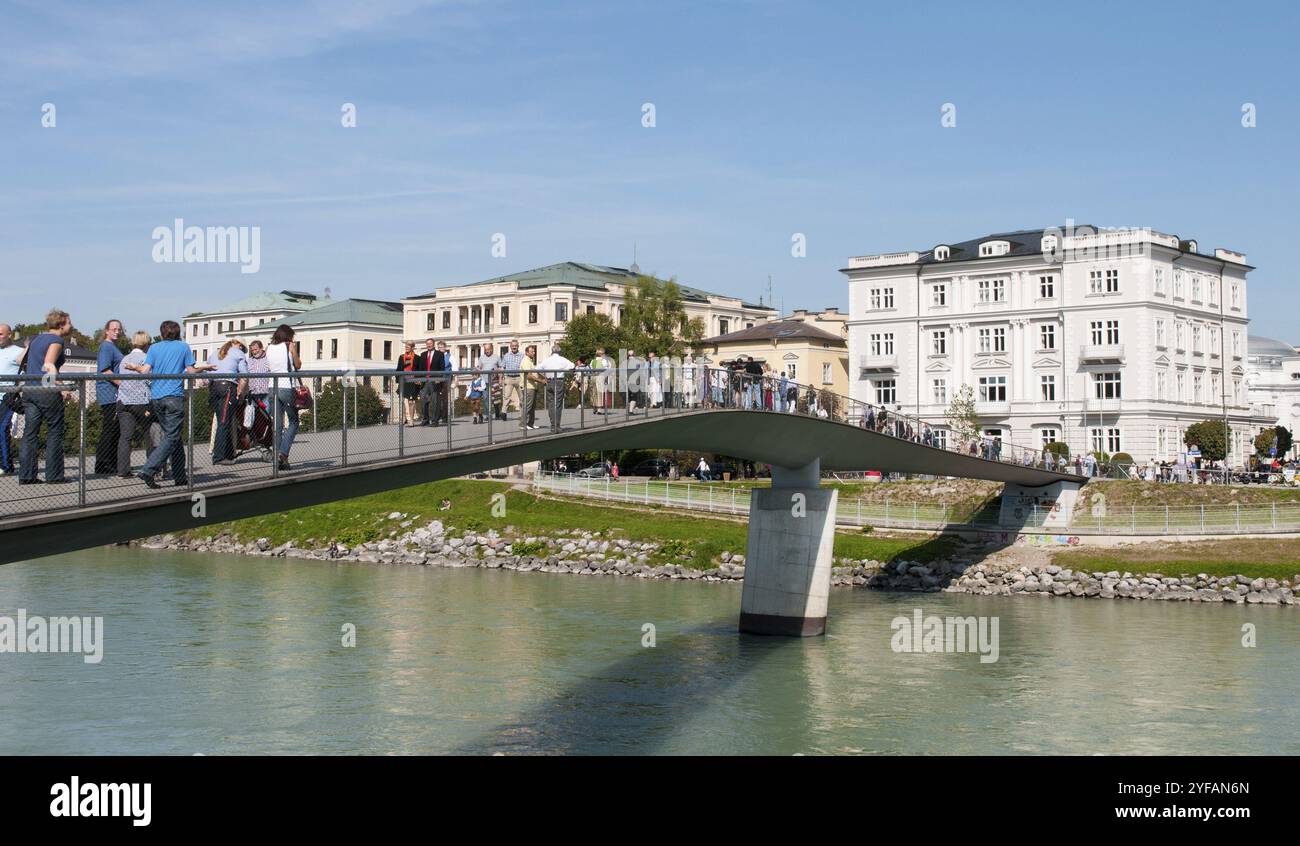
429,362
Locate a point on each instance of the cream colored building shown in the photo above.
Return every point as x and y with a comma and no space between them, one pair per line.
346,335
535,306
810,348
205,332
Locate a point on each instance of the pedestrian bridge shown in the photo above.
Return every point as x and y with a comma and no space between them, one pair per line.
87,510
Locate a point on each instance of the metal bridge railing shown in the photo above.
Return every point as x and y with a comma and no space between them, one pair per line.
353,418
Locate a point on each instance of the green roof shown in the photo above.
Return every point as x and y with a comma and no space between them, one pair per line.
380,312
594,277
271,301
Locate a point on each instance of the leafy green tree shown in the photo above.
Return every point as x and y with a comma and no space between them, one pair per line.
328,407
586,332
1057,449
1273,435
654,317
1211,436
962,418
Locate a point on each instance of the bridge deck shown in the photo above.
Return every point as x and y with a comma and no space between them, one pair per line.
46,519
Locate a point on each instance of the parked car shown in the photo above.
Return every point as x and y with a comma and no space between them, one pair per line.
654,467
595,471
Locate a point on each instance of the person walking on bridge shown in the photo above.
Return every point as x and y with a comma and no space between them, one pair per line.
107,357
224,392
11,356
282,357
133,406
410,389
514,387
170,356
555,367
533,381
41,404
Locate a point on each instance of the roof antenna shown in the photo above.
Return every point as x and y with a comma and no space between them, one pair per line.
634,268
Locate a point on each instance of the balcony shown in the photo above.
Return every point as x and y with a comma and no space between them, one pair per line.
1101,353
878,363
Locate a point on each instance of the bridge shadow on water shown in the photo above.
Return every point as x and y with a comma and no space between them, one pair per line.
641,704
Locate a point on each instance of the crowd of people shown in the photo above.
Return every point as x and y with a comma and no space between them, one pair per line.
243,379
131,408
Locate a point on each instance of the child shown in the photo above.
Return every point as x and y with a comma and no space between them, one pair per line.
476,391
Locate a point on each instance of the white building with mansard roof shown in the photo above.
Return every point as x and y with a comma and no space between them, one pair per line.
1109,340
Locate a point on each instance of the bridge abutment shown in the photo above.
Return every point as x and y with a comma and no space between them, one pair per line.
788,555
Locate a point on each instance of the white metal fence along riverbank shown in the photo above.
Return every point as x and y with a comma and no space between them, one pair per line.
725,498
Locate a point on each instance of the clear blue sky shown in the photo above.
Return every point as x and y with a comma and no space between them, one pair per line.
525,118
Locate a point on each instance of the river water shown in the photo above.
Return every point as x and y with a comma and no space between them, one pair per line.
222,654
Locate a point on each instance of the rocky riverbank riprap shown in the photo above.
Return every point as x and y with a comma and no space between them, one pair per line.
587,553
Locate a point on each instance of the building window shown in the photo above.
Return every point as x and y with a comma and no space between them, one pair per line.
1047,384
827,373
1046,287
940,389
886,392
320,348
1178,284
992,290
1103,281
882,343
1214,341
1196,289
882,298
561,312
1180,336
993,389
1112,282
429,324
1162,385
334,347
723,325
388,350
1105,440
1160,332
993,340
446,318
790,370
941,438
1049,436
939,294
1215,394
1162,442
1196,388
219,325
1236,391
1181,382
1236,295
1094,282
1196,341
1160,281
1112,332
1106,385
939,342
367,347
1236,344
532,314
1047,336
1214,292
505,315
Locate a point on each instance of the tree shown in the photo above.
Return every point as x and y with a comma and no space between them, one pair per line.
329,406
24,332
586,332
1057,449
654,317
962,418
1278,436
1212,438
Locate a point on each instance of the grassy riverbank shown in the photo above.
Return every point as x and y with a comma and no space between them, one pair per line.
1277,558
692,540
1123,494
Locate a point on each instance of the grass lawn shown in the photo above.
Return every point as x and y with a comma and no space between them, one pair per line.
692,540
1121,495
1277,558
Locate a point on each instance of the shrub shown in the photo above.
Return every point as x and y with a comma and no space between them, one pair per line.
328,407
1057,449
1121,459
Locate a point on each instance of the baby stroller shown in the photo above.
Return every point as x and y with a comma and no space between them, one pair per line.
255,431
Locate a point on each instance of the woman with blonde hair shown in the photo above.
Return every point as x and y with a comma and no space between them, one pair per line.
133,405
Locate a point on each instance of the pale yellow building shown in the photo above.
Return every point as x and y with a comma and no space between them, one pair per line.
809,348
535,306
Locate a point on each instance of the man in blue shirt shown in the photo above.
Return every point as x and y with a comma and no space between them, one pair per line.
224,390
171,355
108,359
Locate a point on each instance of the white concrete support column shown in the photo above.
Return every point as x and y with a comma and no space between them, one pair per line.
788,556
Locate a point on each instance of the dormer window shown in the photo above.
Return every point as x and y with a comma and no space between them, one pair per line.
994,248
940,253
1049,245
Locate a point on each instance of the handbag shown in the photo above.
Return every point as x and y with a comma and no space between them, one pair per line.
301,394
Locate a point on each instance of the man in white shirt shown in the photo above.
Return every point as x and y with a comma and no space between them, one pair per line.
554,365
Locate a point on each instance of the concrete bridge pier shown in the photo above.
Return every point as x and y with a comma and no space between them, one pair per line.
788,554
